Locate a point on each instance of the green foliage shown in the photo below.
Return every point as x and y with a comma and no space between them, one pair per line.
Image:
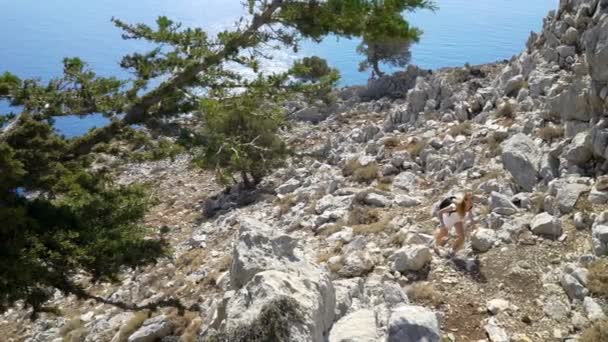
58,218
240,136
311,68
71,221
392,51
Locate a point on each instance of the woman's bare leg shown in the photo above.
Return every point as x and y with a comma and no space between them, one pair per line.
457,245
441,237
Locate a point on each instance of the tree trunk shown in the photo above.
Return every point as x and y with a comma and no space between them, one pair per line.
376,67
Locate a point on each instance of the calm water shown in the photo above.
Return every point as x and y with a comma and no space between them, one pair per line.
36,35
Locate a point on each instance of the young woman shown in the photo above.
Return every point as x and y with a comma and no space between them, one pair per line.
452,213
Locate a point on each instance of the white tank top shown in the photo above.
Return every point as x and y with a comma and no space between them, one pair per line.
451,218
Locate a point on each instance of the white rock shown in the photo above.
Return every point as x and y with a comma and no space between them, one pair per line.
405,181
567,195
521,158
574,289
495,332
359,326
289,186
498,305
153,329
413,323
377,200
501,204
483,239
546,224
593,309
410,258
406,201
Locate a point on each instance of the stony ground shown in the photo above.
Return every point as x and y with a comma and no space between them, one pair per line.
345,229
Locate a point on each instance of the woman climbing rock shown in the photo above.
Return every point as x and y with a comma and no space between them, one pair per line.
453,212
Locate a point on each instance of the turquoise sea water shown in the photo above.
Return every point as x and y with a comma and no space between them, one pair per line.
35,35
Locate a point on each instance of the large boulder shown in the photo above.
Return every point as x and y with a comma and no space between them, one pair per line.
393,86
259,248
483,239
269,271
359,326
578,152
521,158
546,225
413,323
596,50
410,258
311,290
572,103
501,204
567,195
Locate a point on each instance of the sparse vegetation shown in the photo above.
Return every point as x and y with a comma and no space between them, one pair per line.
550,133
464,128
415,147
598,332
391,142
132,324
598,278
326,254
425,293
272,324
506,110
286,203
494,140
360,173
363,215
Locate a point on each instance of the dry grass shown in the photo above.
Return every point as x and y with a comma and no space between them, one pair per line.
383,186
372,228
326,254
286,203
366,174
464,128
190,334
415,148
494,140
538,202
129,327
506,110
550,133
424,293
363,215
598,332
391,142
598,277
331,229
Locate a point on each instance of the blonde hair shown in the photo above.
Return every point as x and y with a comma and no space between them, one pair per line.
461,203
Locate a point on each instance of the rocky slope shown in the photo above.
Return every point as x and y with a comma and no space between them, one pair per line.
336,246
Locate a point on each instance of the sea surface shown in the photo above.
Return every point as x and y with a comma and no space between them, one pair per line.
36,35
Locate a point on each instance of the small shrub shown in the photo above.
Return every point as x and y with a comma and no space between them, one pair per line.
596,333
331,229
391,142
272,324
367,173
464,128
286,203
598,277
506,110
373,228
550,133
494,140
383,186
326,254
129,327
363,215
190,334
350,167
415,148
424,292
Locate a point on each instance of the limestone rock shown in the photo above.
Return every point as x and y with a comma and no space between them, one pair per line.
410,258
546,225
483,239
521,158
413,323
501,204
359,326
152,329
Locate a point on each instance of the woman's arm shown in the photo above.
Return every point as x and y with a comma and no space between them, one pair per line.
440,213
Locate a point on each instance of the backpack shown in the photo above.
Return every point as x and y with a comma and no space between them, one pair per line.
446,202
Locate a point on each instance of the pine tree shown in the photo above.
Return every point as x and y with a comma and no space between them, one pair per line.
59,217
